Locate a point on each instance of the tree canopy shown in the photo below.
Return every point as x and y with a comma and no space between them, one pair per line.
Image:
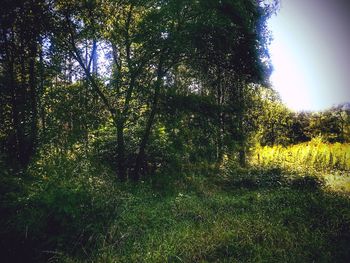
131,66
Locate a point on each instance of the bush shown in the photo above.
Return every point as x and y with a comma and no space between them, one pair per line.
315,154
66,204
307,182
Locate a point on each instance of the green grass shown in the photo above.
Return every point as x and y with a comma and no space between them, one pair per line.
329,162
76,212
314,154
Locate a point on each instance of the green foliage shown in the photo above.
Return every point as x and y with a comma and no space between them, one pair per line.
176,106
277,125
62,127
328,162
315,154
74,212
66,202
308,182
232,175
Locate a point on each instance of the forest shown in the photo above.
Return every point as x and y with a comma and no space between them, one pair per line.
148,131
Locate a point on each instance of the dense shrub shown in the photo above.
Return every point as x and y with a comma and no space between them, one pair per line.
315,154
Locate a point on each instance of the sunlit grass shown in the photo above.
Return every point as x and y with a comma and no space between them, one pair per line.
315,154
328,161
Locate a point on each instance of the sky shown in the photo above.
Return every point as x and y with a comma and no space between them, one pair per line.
310,53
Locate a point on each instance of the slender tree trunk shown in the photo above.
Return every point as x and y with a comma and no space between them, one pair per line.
121,150
33,104
15,142
150,121
273,135
21,97
242,131
94,58
242,157
220,136
41,90
242,142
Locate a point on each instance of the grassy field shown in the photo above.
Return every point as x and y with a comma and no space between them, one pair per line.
314,154
330,162
76,212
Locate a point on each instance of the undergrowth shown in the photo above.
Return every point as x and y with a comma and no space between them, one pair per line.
328,162
314,154
67,208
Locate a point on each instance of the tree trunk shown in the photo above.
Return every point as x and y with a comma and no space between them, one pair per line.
150,121
242,131
121,150
220,136
33,104
242,157
15,140
94,58
41,90
21,96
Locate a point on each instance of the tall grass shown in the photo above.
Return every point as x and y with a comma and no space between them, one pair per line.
315,154
329,162
71,209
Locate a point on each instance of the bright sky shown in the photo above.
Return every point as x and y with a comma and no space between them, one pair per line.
311,53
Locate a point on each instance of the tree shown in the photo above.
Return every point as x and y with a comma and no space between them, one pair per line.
22,27
147,41
274,121
220,46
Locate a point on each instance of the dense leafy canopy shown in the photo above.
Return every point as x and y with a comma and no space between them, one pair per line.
129,66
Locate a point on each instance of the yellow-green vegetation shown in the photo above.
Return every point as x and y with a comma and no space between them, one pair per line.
326,160
124,134
70,209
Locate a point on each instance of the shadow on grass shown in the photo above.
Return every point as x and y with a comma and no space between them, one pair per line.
287,225
254,178
250,216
